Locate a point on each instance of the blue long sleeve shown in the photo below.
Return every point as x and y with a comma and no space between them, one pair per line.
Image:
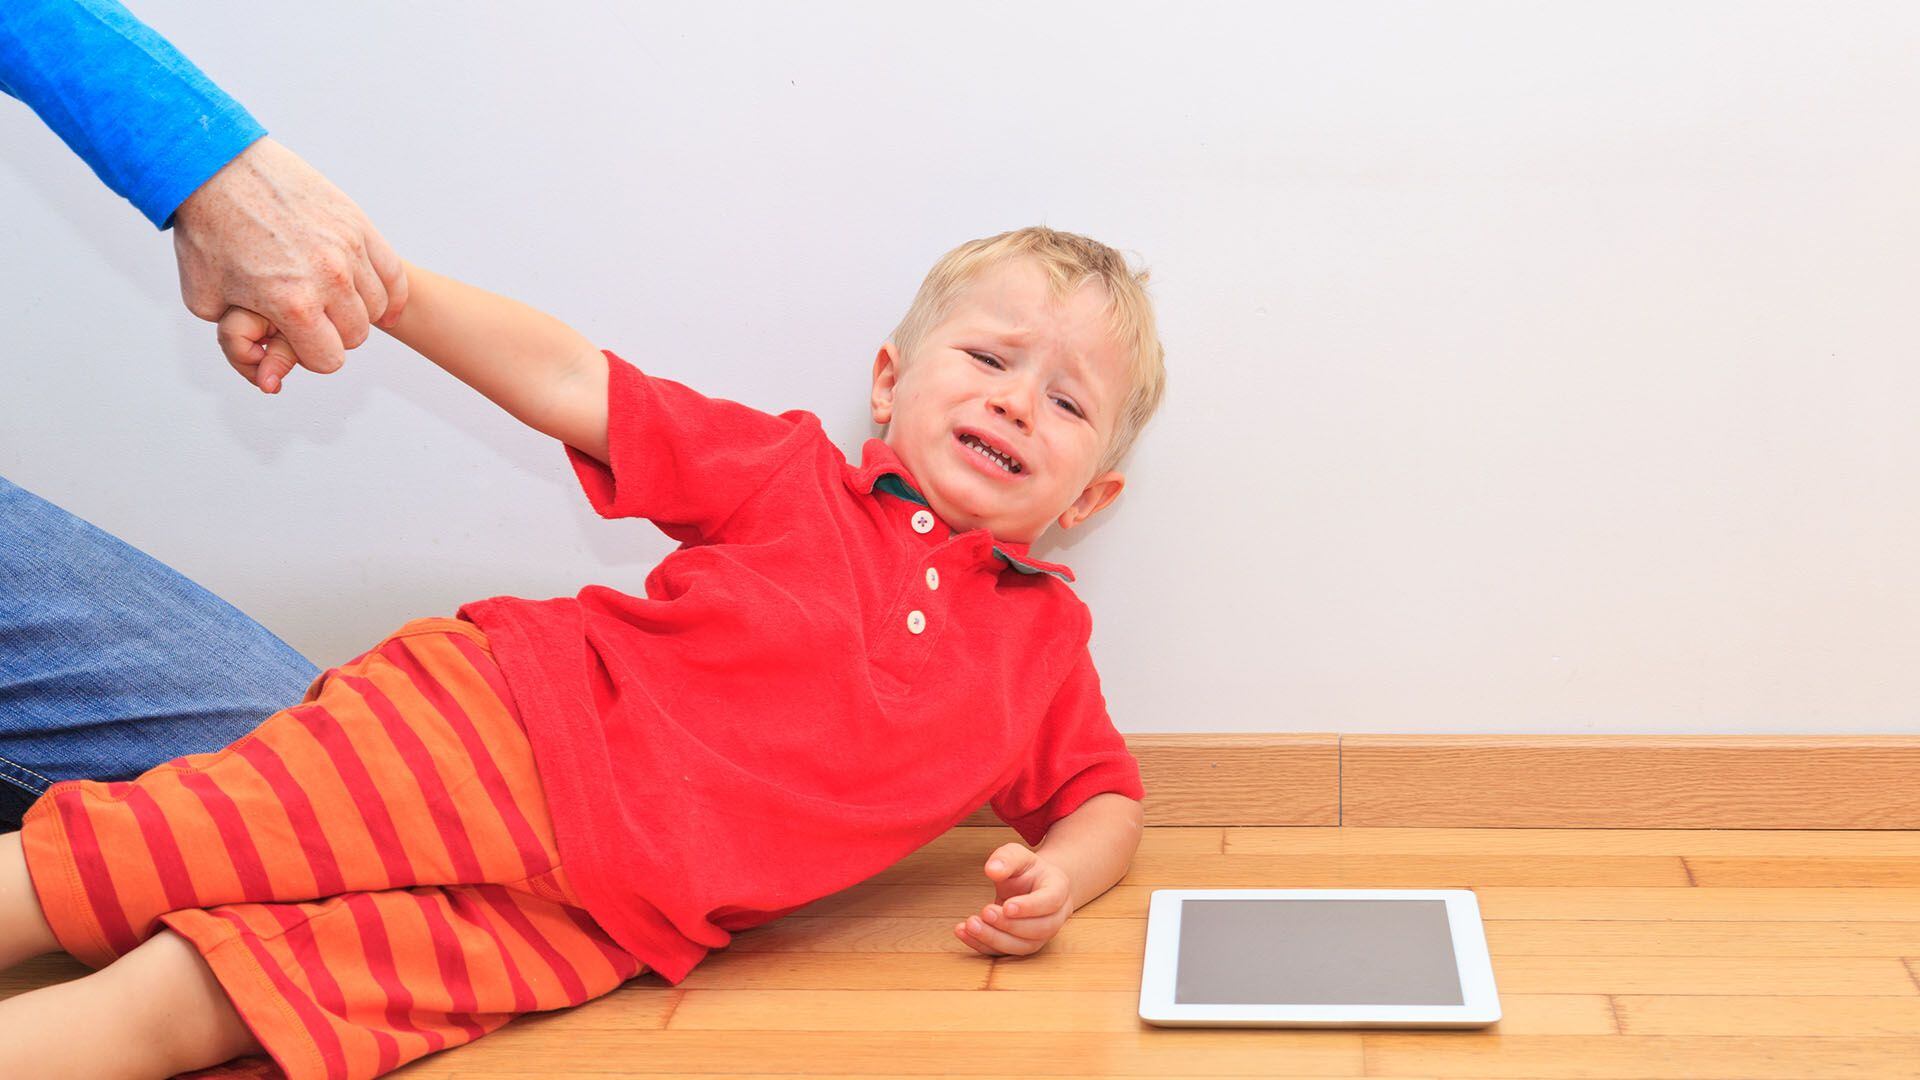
149,123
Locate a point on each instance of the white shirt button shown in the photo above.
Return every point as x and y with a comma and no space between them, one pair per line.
933,578
922,521
916,622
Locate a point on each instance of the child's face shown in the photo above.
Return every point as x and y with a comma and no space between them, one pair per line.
1039,381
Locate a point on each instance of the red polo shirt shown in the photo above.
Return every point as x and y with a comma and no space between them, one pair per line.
821,679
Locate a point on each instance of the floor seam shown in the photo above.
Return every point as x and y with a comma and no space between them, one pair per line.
673,1009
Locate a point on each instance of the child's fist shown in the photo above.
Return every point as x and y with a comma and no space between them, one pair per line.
255,349
1031,904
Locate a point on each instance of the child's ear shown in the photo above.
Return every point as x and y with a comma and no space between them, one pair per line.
1103,490
886,372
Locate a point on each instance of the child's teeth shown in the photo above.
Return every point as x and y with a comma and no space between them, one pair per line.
973,442
991,456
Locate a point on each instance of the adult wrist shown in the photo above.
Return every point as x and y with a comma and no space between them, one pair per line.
192,206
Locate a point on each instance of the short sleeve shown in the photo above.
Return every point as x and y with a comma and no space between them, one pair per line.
681,459
1077,755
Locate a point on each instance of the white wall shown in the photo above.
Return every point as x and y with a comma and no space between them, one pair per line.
1532,367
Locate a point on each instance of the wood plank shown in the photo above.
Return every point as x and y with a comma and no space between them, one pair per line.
1739,905
1630,781
1639,1057
906,935
1129,901
1819,843
1070,969
1283,840
1527,781
1232,778
865,1010
546,1043
966,843
1338,871
44,971
1718,975
1003,1010
1705,1014
1868,872
1595,937
957,967
1505,937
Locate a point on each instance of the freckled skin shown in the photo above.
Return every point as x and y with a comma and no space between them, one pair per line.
270,235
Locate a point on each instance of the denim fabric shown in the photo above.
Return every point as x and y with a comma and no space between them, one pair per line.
111,663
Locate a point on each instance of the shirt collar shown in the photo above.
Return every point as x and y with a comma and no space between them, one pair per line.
880,469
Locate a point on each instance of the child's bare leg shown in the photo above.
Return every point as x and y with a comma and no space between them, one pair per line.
24,933
155,1012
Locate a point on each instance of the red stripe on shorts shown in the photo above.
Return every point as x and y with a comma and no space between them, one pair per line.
483,662
359,784
453,968
533,855
300,815
332,1055
380,964
94,876
226,817
419,761
510,913
168,861
465,905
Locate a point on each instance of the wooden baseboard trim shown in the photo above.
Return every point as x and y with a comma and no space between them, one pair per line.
1530,781
1631,781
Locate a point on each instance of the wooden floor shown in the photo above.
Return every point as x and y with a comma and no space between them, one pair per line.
1668,953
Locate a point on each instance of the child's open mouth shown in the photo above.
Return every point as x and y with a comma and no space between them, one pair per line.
987,456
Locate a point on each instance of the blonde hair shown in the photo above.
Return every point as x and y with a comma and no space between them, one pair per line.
1070,261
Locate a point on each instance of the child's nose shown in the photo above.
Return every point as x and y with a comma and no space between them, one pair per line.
1009,406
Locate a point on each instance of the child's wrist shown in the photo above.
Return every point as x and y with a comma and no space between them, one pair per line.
421,290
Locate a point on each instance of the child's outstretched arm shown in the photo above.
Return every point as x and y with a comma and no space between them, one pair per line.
529,363
544,372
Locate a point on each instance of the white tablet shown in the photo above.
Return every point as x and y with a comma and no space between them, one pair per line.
1317,958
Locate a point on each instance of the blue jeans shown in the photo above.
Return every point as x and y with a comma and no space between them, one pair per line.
111,663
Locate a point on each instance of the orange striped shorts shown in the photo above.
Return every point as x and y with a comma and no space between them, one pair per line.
371,874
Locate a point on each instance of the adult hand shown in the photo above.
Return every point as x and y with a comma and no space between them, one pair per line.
1032,904
269,234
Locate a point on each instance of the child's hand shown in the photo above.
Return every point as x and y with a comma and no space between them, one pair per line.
255,348
1032,904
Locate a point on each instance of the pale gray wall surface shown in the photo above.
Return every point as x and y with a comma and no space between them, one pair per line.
1532,367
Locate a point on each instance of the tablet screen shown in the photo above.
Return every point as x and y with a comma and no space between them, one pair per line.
1316,952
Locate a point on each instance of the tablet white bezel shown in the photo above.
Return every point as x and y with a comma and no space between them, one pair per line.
1480,999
